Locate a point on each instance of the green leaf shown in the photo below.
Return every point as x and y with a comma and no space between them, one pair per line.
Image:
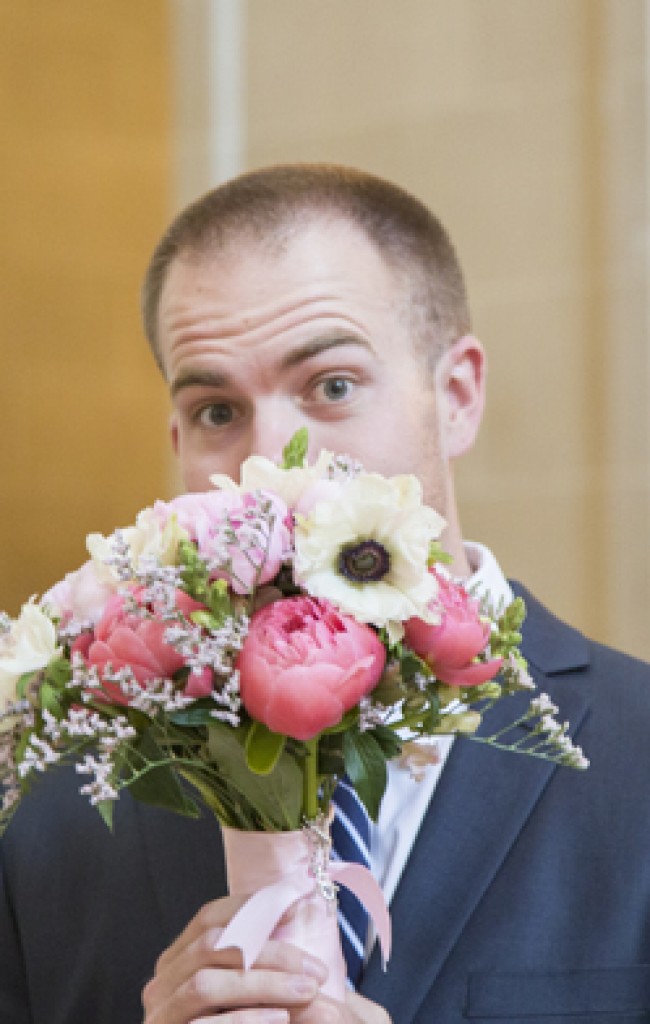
438,554
23,684
330,754
276,798
412,666
350,718
205,619
58,673
106,808
218,601
49,701
365,765
158,783
263,748
389,742
196,715
295,452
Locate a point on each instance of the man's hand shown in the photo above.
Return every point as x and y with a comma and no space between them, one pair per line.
193,983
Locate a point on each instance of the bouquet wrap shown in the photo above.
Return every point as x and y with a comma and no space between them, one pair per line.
291,895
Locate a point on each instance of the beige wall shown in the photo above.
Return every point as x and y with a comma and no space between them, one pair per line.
523,124
84,101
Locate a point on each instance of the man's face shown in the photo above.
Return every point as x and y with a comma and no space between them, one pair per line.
257,344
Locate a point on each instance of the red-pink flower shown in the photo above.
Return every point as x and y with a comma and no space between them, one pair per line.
451,647
249,535
122,638
304,664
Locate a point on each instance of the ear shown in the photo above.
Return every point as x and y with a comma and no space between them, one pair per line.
460,379
173,433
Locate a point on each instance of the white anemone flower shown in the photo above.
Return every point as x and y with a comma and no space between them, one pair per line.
261,474
367,552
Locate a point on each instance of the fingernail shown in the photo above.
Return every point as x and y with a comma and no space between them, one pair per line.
314,968
303,986
276,1016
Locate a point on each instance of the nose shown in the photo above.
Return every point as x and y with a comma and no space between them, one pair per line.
272,427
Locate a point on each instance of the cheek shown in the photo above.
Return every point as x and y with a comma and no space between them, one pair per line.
197,465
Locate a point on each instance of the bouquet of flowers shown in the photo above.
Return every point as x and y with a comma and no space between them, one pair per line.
248,647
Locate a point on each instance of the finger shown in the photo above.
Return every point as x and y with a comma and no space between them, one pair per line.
354,1010
260,1015
214,990
212,915
176,974
365,1010
171,972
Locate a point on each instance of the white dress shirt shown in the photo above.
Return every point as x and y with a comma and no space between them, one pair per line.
406,799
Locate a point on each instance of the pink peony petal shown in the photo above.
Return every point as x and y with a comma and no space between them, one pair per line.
303,665
471,675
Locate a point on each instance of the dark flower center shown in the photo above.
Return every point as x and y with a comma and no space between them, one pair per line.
367,561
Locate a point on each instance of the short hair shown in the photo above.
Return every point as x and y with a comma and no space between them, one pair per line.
263,205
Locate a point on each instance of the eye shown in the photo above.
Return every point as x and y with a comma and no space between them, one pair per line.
336,388
217,414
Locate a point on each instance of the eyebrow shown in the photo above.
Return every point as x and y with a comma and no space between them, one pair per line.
301,354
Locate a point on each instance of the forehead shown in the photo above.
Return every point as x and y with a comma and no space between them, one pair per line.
256,296
330,255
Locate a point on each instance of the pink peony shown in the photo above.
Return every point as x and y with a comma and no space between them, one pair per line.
261,523
450,647
123,638
304,664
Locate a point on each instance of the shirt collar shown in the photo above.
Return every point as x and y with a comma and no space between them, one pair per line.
487,579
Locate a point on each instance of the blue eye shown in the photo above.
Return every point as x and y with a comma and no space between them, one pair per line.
218,414
336,388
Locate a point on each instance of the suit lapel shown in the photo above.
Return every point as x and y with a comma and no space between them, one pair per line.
481,803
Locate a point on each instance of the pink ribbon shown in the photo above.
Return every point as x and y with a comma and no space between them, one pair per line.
274,870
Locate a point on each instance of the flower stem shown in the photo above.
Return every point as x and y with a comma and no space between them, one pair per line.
310,806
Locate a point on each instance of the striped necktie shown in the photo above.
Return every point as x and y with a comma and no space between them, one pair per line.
351,842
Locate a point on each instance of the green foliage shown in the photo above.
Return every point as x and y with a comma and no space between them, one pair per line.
263,748
106,809
194,572
58,673
49,701
145,768
365,764
198,714
437,554
389,743
271,802
22,686
295,452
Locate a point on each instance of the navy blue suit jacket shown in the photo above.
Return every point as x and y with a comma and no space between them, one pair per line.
525,898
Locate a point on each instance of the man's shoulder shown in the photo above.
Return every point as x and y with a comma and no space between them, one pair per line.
565,657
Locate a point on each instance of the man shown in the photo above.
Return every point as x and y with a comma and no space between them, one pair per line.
326,298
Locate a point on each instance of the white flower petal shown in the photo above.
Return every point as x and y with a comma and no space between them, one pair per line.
388,511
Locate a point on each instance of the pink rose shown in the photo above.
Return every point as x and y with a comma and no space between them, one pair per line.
81,595
122,638
450,647
304,664
262,540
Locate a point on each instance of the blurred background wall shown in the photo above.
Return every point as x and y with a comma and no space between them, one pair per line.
524,125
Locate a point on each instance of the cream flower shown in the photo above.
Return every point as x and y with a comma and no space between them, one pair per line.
151,537
368,551
29,645
261,474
